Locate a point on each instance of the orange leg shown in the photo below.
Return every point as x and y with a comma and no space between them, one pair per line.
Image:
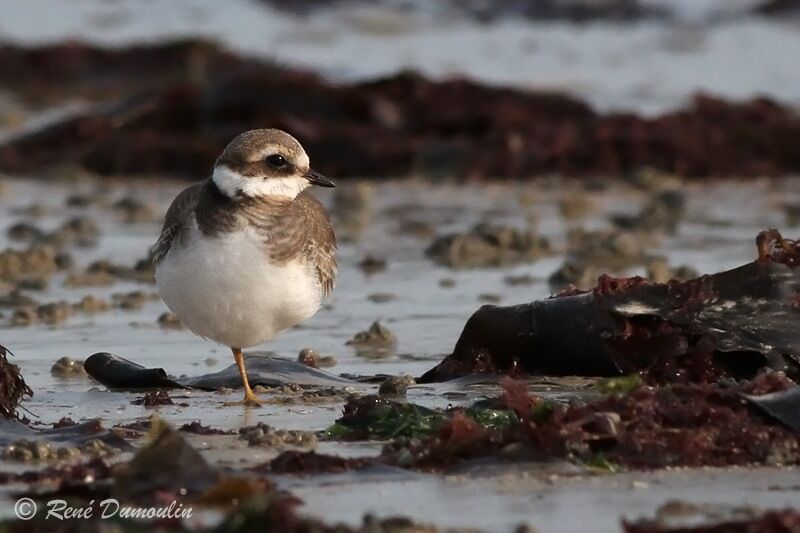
250,397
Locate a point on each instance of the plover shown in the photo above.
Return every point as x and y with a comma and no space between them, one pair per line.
248,253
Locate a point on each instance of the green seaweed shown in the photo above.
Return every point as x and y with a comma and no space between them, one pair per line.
492,418
621,386
389,420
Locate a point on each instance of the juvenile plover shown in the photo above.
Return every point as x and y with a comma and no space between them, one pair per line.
248,253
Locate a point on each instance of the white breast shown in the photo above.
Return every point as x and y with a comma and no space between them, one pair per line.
224,288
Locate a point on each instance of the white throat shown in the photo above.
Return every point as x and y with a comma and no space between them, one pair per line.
231,183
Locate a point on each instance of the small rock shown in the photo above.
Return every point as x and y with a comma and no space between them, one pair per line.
575,205
372,265
153,398
489,297
169,320
16,298
24,316
266,436
131,301
37,451
659,271
377,334
24,231
447,283
381,297
38,283
54,313
310,357
35,261
396,386
519,280
98,448
66,367
91,304
134,210
488,245
352,208
89,279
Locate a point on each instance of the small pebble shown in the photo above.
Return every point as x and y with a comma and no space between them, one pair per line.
67,367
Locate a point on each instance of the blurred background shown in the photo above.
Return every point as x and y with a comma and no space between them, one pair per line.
468,89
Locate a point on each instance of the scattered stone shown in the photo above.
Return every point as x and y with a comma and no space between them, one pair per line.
396,386
34,210
377,334
792,214
24,316
64,422
134,211
677,516
310,357
662,213
197,428
78,231
658,270
593,253
141,272
24,232
417,228
210,361
67,367
266,436
447,283
82,201
88,279
38,451
519,280
91,304
35,261
381,297
131,301
154,398
352,208
38,283
487,245
489,297
16,298
169,320
371,265
99,448
54,313
575,205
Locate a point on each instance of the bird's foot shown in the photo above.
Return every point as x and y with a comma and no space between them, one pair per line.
250,400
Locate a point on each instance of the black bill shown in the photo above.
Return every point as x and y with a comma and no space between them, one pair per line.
315,178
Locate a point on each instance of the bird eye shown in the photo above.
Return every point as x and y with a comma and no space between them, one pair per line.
276,161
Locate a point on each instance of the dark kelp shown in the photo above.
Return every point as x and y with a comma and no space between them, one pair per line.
674,425
12,386
170,109
729,324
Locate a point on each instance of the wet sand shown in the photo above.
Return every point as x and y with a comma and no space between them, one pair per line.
425,315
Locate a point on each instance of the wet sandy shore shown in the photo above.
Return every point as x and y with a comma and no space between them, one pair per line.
425,305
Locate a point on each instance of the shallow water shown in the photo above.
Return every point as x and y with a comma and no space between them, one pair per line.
717,233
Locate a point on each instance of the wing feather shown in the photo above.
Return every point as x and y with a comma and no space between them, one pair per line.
175,220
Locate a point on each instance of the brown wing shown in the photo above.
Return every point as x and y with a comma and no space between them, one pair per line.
320,242
175,220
